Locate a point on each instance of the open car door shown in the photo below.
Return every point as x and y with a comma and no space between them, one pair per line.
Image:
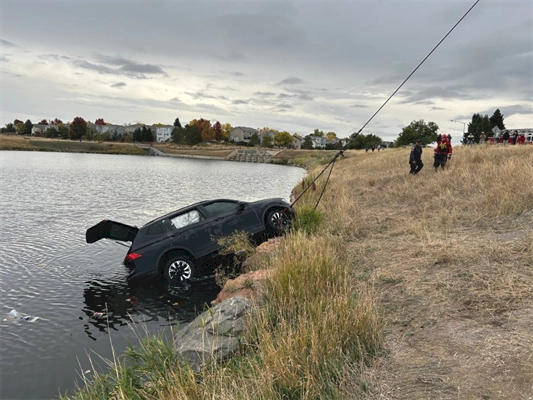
111,230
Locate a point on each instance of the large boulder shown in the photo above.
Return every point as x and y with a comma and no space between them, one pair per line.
214,334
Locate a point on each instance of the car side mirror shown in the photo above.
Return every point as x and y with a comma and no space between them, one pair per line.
241,207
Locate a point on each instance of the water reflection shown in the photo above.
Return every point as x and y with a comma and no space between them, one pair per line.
109,305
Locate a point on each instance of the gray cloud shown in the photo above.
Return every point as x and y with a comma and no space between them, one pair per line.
291,81
264,94
6,43
126,67
118,85
358,106
239,102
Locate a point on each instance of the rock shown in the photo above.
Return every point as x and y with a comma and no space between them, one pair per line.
247,285
213,335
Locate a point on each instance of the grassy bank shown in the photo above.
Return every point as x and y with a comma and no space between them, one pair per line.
409,287
26,143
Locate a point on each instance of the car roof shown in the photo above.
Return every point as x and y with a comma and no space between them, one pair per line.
200,203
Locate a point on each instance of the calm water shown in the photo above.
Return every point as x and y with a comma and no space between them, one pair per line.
47,270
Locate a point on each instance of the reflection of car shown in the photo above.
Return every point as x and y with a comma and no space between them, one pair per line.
182,245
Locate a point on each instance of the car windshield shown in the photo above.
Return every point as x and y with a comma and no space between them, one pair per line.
188,218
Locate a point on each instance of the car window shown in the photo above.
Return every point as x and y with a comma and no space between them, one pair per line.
218,208
156,229
188,218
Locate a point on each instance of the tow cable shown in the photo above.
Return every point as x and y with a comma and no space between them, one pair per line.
355,134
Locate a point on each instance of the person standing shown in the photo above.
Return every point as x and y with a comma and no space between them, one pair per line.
470,140
442,153
415,158
505,137
482,138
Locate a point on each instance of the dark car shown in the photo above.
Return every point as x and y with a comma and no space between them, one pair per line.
182,245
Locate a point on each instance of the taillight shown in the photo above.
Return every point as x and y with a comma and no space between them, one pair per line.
132,256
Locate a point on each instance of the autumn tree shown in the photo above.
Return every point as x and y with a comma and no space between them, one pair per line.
418,130
57,121
43,122
217,131
226,130
318,132
78,128
283,139
331,135
28,126
267,141
17,121
100,121
205,128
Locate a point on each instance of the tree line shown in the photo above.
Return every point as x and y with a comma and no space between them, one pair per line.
202,130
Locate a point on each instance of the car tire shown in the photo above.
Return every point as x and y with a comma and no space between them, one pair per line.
278,222
178,270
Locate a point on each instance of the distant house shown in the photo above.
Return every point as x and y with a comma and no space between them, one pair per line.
116,130
262,136
319,142
163,133
296,142
101,128
387,144
129,129
242,134
39,129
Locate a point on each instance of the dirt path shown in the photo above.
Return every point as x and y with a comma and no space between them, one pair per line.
459,323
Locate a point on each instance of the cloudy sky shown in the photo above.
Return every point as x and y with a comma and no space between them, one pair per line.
288,65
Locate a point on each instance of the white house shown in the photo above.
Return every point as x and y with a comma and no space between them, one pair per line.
319,142
163,133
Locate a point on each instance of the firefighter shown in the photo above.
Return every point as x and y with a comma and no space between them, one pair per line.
443,152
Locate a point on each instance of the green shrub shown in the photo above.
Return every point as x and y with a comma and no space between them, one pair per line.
308,220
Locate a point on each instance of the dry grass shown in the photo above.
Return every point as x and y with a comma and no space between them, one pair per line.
26,143
450,256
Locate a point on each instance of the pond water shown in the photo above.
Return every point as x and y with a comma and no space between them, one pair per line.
47,270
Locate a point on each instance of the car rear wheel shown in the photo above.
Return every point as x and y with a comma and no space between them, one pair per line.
179,269
278,222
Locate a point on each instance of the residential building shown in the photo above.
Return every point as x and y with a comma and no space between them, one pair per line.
242,134
319,142
297,142
163,133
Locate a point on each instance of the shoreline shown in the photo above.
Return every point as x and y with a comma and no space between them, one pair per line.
306,159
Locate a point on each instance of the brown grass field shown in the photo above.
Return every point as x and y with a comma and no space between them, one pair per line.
449,256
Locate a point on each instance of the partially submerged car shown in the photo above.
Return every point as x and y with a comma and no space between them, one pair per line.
182,246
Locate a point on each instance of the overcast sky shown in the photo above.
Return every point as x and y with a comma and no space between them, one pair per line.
288,65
